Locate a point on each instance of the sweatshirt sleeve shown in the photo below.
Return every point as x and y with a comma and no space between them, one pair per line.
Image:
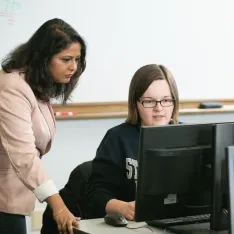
106,176
17,138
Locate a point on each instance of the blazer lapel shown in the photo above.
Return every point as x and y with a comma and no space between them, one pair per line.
51,112
47,112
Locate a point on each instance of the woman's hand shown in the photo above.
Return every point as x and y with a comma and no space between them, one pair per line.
62,216
65,221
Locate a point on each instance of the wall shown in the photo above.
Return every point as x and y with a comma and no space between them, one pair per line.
194,38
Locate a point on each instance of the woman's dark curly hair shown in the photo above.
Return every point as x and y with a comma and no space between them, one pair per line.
33,58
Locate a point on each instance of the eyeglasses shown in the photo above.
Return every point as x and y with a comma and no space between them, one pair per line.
152,103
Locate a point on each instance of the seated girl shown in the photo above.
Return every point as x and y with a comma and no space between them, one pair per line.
153,100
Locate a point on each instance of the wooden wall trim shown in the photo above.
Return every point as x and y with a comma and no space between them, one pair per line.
98,110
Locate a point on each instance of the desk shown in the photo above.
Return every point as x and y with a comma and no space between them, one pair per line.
98,226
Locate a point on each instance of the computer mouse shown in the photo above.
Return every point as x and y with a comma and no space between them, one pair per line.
115,219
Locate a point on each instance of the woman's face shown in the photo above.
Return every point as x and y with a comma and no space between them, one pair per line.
154,113
64,64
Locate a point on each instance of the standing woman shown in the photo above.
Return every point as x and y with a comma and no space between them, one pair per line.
47,66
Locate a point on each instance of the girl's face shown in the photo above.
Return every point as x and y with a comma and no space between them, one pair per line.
153,112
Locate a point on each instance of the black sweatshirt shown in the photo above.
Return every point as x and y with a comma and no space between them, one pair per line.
114,169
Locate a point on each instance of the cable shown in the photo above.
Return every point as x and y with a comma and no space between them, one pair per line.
225,211
145,226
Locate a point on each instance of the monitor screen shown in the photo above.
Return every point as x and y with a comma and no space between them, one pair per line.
174,171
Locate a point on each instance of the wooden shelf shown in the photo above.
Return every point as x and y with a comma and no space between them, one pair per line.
99,110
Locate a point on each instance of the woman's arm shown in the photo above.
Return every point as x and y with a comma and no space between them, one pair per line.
16,106
17,137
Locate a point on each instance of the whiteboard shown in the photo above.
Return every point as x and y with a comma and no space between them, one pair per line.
193,38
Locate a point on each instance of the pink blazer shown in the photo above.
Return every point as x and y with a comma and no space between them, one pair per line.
27,127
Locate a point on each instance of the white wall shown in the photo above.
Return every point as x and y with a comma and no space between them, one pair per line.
76,141
194,38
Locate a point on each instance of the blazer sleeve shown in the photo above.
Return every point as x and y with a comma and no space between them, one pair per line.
107,175
16,104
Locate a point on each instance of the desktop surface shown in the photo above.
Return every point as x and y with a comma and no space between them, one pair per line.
98,226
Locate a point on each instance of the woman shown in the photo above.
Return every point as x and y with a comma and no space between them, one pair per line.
153,100
47,66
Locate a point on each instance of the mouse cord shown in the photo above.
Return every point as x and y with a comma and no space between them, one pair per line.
146,226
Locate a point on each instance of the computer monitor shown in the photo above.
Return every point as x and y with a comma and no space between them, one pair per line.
223,137
230,178
174,171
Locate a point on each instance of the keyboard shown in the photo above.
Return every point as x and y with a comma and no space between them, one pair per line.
180,221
